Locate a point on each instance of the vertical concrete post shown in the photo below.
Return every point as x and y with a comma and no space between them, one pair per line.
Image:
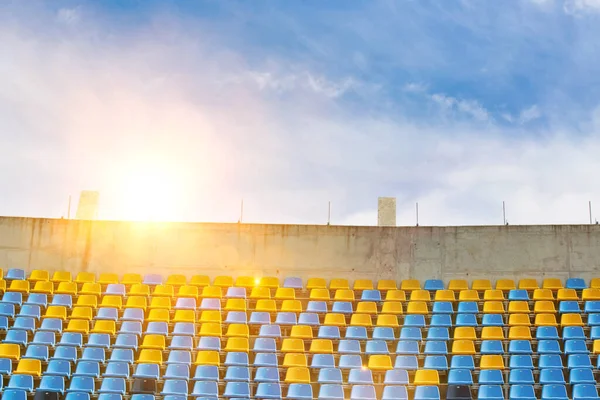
386,211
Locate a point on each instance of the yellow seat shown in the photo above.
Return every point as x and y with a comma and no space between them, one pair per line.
395,295
297,375
386,284
85,277
137,302
363,284
46,287
361,320
463,347
464,333
481,284
83,313
78,325
493,307
417,307
200,280
184,316
458,284
492,333
392,307
112,301
246,282
108,278
468,295
316,283
366,307
518,306
139,289
266,305
545,320
271,282
339,284
87,300
595,283
150,356
420,295
157,342
259,292
291,306
2,285
552,284
210,316
426,377
294,360
292,345
543,294
18,286
158,315
544,306
445,295
505,284
223,281
10,350
390,321
410,284
566,294
519,333
66,288
571,320
39,275
62,276
213,292
491,361
131,279
596,346
103,326
301,332
164,290
344,295
380,362
29,367
238,330
235,305
59,312
91,288
285,294
493,295
208,357
590,294
239,344
528,284
334,319
319,294
176,280
211,329
160,303
187,291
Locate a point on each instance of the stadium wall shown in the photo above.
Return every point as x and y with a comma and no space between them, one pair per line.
301,250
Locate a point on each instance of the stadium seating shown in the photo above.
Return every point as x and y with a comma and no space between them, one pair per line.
85,336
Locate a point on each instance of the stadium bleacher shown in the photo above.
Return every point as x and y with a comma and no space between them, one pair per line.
150,337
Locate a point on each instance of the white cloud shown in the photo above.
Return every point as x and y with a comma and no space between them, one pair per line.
581,6
471,108
69,16
529,114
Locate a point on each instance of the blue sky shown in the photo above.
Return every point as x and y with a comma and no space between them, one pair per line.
180,109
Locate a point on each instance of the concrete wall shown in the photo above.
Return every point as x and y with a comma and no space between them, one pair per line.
301,250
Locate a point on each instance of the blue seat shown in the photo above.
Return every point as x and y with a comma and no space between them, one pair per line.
206,373
292,282
127,341
522,392
273,331
113,385
573,333
206,389
584,392
438,333
16,336
236,317
356,332
157,328
300,391
133,314
177,371
331,375
571,306
442,320
7,309
236,358
520,362
442,307
266,374
331,332
131,327
310,319
46,338
550,361
93,354
322,361
315,306
139,396
65,300
491,347
427,393
439,363
490,392
68,353
85,384
362,392
22,382
518,294
14,394
349,361
268,391
520,347
407,347
409,363
579,361
180,357
414,320
181,343
39,299
581,375
519,376
466,320
3,323
98,340
593,321
575,283
5,366
178,387
434,284
462,362
548,347
114,396
210,304
237,390
552,376
408,333
435,347
468,307
38,352
209,343
185,303
152,279
286,318
115,289
15,274
576,347
116,369
460,377
371,295
259,318
149,371
25,323
265,345
491,377
59,368
108,314
376,347
331,392
349,346
591,307
265,360
554,392
235,293
30,310
396,377
546,333
15,298
394,393
342,307
492,320
87,368
79,396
